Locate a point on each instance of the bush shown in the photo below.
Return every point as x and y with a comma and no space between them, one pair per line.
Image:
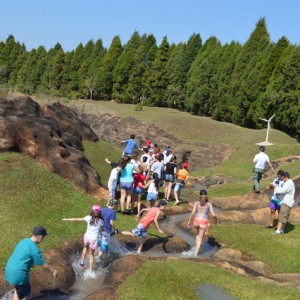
139,107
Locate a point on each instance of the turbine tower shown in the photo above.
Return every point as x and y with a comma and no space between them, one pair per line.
266,143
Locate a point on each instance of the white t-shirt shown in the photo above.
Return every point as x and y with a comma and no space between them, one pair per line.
287,192
167,157
113,174
260,160
92,231
152,188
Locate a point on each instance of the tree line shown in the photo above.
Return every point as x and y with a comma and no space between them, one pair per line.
233,82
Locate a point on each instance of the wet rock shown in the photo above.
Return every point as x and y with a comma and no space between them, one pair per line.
169,244
51,135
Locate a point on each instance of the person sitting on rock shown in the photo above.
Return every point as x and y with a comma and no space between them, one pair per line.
152,216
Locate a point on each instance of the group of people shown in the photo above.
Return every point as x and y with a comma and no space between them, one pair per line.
150,171
283,198
134,176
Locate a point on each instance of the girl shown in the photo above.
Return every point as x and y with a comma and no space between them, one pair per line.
152,192
170,173
199,216
139,181
90,239
126,183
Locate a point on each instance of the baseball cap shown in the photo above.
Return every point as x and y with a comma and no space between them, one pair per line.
185,165
96,208
113,202
39,230
203,192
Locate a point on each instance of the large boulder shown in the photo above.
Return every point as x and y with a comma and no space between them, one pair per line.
51,135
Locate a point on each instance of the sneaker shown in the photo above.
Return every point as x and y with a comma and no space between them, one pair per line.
81,264
116,231
256,191
278,232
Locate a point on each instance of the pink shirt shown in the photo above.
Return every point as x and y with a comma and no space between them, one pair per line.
149,218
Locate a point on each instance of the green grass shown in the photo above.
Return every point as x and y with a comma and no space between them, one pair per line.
96,154
180,279
280,253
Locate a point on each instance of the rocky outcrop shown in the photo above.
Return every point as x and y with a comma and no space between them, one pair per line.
113,129
52,135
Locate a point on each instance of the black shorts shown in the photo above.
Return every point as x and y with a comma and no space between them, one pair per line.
23,290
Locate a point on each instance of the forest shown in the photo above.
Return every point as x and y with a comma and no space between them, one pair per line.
232,82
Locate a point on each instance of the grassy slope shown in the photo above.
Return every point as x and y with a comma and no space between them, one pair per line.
50,198
178,280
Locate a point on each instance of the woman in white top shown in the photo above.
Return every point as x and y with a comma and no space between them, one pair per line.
90,239
199,218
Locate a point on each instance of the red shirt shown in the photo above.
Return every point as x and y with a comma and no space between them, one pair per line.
138,179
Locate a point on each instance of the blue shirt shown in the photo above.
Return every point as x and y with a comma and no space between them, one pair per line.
127,173
25,255
108,214
130,146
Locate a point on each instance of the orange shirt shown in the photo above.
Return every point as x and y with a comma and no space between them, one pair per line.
182,174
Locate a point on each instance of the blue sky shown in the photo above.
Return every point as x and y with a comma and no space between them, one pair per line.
69,22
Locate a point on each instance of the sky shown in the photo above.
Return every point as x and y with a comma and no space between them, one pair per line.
70,22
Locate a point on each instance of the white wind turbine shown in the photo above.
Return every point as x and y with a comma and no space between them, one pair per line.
266,143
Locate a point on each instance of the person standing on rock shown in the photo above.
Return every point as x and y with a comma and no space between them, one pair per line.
199,218
130,147
287,194
26,255
90,240
260,161
152,216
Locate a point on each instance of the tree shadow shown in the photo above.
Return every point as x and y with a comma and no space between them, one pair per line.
289,227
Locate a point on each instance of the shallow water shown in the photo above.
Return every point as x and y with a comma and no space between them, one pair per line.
212,292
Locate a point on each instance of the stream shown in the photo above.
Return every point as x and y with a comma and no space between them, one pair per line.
88,282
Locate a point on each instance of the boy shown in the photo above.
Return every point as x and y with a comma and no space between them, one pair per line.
26,255
109,217
141,230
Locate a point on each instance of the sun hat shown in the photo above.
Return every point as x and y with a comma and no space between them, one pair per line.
96,208
39,230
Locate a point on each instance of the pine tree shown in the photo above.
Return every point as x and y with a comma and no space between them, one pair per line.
158,78
106,70
124,66
198,87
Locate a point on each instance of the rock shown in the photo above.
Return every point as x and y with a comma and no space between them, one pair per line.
228,254
52,136
257,267
169,244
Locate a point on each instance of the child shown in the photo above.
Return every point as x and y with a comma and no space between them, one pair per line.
112,181
275,200
139,182
152,192
199,216
109,216
90,239
182,178
141,230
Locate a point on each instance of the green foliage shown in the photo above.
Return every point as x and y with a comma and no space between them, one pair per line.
139,106
232,82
